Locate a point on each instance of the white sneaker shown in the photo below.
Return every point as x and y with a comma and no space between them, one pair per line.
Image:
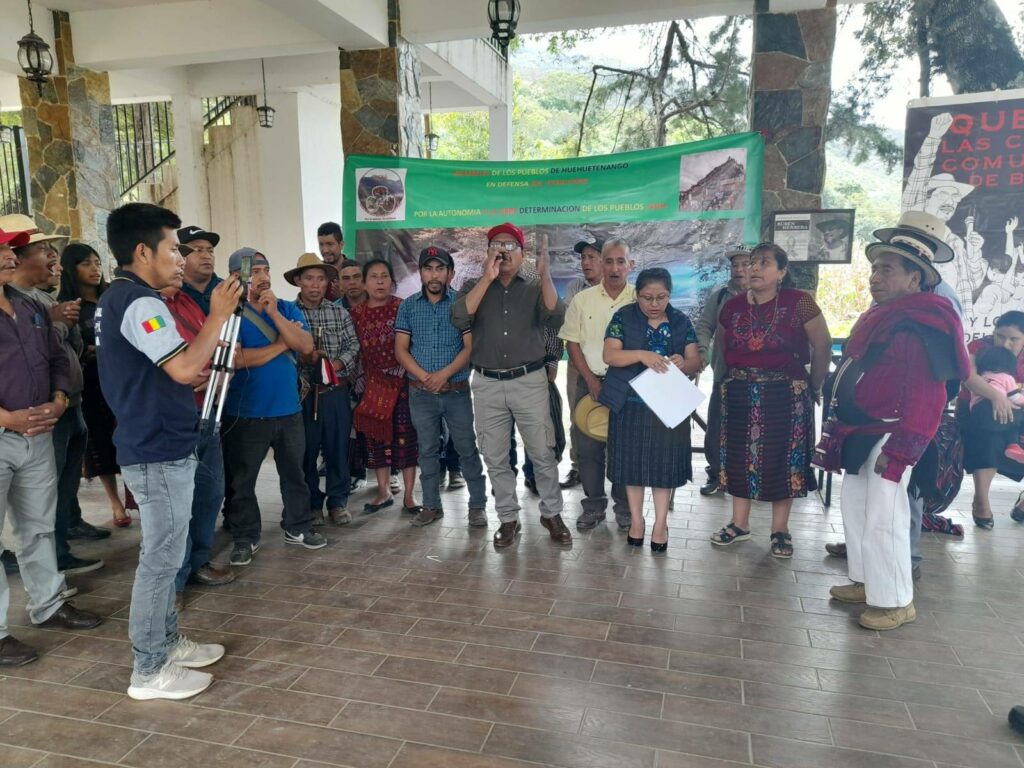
173,681
188,653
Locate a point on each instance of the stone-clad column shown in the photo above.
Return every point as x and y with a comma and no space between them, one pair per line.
790,94
69,130
381,112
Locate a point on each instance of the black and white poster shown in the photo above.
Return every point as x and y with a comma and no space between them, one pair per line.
816,237
964,163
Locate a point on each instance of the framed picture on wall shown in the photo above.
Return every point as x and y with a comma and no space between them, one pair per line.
815,237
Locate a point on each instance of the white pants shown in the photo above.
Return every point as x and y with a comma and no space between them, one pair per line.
876,516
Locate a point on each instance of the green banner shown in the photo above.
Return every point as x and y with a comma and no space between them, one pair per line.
678,206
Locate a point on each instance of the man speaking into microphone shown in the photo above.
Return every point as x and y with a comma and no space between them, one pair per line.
146,369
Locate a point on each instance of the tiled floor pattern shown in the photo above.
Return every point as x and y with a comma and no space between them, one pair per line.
398,647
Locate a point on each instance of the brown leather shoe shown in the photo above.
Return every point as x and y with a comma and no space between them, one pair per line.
14,653
559,533
69,617
209,576
506,534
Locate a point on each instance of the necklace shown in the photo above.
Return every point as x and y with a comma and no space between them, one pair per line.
756,341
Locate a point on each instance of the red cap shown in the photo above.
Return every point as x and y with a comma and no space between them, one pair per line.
14,239
507,229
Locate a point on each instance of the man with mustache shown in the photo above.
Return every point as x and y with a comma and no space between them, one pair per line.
262,411
436,356
38,271
331,242
32,399
146,370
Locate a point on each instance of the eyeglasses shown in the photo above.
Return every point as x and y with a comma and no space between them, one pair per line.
661,299
501,245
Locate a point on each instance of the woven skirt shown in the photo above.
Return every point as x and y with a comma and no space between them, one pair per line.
403,452
767,436
642,451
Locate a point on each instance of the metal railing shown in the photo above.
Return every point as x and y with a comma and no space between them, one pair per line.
497,48
145,135
14,195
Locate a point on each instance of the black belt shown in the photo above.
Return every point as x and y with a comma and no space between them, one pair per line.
509,373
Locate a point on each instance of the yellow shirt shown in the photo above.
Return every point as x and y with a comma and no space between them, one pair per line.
587,319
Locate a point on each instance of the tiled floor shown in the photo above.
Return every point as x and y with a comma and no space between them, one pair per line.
398,647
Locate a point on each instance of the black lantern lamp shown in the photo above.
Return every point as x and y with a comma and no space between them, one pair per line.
504,16
34,55
431,138
265,113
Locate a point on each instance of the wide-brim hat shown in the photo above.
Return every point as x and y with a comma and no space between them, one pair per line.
910,252
306,261
19,222
843,224
921,229
591,418
946,180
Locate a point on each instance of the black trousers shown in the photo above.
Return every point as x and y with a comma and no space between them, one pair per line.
713,436
246,443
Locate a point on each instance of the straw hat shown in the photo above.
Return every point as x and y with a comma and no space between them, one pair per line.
306,261
591,418
19,222
921,229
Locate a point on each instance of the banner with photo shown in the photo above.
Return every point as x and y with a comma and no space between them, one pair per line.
964,162
679,207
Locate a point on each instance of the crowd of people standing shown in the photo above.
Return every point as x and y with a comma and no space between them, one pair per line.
347,378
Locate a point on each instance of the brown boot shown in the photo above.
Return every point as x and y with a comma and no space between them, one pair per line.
210,576
506,534
556,527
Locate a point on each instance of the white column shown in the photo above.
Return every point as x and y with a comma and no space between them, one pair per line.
321,160
501,123
193,193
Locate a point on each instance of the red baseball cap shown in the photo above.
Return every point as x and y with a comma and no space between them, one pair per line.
14,239
507,229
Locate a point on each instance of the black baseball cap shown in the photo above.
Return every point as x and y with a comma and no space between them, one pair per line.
597,245
434,253
188,234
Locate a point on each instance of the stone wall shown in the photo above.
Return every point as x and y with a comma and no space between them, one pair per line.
69,130
380,101
791,91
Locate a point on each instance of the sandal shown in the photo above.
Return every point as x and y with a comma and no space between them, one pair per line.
782,545
726,536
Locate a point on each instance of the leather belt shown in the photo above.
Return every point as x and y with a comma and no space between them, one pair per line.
451,386
505,374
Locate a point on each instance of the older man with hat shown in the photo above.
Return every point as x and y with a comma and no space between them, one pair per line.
888,396
586,321
200,278
436,355
507,314
262,411
37,274
835,237
326,374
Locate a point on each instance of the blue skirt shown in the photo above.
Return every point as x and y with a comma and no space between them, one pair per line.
643,451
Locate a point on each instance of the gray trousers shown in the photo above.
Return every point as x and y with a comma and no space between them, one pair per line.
28,496
594,467
495,405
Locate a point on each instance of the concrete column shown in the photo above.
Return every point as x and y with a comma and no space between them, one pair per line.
791,90
500,121
193,191
71,140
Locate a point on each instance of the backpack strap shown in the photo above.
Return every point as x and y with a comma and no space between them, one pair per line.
263,327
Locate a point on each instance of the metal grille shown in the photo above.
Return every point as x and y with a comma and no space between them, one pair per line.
145,140
14,174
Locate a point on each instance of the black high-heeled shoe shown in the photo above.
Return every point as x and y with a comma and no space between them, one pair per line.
637,542
659,549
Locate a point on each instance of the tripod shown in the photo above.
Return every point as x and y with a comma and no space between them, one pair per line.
220,372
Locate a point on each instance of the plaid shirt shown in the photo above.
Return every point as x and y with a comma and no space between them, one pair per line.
433,341
333,331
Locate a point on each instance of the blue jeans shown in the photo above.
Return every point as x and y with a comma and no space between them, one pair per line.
329,433
449,455
164,493
206,502
456,408
69,443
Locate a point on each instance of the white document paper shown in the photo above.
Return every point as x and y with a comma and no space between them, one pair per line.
671,395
